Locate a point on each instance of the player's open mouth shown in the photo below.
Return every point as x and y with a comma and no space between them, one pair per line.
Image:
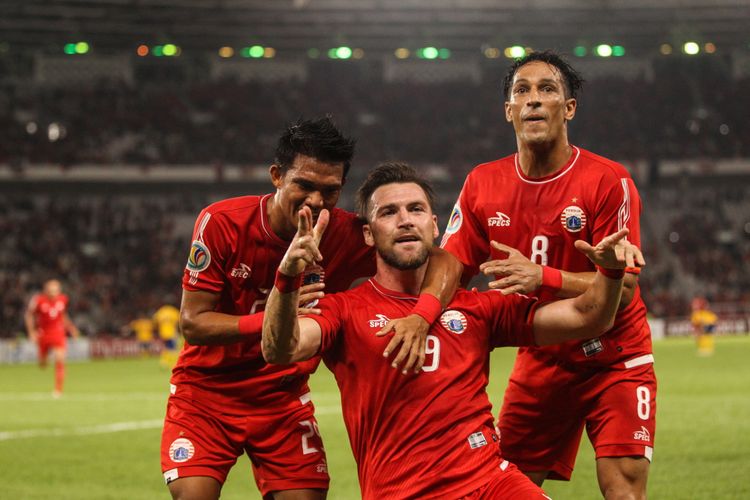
534,118
407,238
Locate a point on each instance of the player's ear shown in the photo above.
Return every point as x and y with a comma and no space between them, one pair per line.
435,230
367,232
508,113
277,175
570,108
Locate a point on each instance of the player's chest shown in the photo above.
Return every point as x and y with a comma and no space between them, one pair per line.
51,309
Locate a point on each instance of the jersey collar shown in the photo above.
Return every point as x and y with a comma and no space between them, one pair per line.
552,177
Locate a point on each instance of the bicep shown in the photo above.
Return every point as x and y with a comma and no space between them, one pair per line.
554,322
310,336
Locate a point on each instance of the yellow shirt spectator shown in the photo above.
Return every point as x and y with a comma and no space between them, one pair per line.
167,318
144,329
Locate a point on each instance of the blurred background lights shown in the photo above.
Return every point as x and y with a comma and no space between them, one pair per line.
343,52
514,52
226,52
691,48
709,48
665,49
491,52
429,53
142,50
580,51
358,53
618,51
603,50
401,53
269,52
256,51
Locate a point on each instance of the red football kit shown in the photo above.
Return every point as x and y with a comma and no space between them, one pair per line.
49,320
429,435
607,383
226,399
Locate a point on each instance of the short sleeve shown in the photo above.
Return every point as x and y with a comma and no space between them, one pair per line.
512,318
204,270
332,311
464,237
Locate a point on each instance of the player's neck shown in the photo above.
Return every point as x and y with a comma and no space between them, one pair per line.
541,160
408,281
277,220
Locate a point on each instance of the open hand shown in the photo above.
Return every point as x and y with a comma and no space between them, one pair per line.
517,273
613,252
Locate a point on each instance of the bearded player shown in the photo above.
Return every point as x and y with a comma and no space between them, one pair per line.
225,400
532,206
47,321
429,435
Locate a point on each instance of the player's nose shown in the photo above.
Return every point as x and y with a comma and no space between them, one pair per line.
314,199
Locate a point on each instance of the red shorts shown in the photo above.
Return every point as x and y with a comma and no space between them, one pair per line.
508,483
545,410
47,343
285,447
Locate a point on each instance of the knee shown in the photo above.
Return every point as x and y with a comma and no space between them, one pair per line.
624,479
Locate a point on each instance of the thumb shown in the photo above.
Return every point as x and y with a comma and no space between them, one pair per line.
503,248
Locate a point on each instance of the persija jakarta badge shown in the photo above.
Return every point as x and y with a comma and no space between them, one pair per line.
454,321
573,219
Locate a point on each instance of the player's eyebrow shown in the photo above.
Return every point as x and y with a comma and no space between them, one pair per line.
320,186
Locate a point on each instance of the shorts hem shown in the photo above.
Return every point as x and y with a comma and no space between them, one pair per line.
625,450
195,471
557,471
293,484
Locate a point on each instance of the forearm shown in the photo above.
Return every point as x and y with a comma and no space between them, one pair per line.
280,338
443,276
214,328
599,303
30,327
574,284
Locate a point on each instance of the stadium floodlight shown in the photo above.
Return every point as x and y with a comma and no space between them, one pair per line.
158,50
332,54
430,53
514,52
618,50
256,51
580,51
343,52
401,53
70,48
491,52
82,47
603,50
665,49
226,52
142,50
170,50
691,48
709,48
444,53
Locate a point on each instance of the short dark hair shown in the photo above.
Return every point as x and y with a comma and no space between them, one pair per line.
319,139
391,172
571,78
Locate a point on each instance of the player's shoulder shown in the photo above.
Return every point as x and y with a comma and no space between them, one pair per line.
597,164
240,206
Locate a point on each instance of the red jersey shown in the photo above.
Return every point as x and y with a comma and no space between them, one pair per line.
428,435
49,314
236,254
588,198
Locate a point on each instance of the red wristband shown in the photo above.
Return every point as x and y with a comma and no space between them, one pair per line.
252,324
633,270
428,307
613,274
287,284
551,278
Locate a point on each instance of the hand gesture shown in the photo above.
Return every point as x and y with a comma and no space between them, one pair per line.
613,252
308,298
518,274
303,249
411,333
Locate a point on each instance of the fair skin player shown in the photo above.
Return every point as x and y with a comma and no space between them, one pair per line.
52,289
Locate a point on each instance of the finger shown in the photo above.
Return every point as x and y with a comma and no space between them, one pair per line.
615,238
302,311
496,262
620,253
496,270
583,247
639,257
309,297
422,355
304,220
386,330
512,290
392,345
309,244
411,360
402,353
312,287
503,248
630,256
321,225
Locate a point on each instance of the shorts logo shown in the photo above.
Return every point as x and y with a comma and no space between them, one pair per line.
199,257
181,450
642,435
573,219
591,347
242,272
477,440
501,220
455,220
454,321
379,322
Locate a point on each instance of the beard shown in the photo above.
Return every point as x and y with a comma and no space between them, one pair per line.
415,261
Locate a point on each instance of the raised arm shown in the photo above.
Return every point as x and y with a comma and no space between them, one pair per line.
287,338
593,312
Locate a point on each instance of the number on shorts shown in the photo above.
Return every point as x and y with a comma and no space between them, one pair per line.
432,347
539,246
312,430
644,402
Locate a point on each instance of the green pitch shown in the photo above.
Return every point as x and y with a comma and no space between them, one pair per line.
101,440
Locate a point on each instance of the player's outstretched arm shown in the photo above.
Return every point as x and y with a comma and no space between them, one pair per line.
285,337
440,283
593,312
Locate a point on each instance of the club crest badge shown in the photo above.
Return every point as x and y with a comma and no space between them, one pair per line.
454,321
573,219
199,257
455,220
181,450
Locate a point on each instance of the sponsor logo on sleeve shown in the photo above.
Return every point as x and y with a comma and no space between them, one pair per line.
454,321
379,322
455,220
501,220
573,219
199,257
642,435
181,450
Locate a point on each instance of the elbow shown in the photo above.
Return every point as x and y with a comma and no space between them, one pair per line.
190,329
274,356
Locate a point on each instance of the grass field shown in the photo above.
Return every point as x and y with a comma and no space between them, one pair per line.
101,440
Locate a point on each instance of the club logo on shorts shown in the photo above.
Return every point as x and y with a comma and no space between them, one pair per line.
501,220
477,440
181,450
199,257
455,220
642,435
573,219
454,321
591,347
